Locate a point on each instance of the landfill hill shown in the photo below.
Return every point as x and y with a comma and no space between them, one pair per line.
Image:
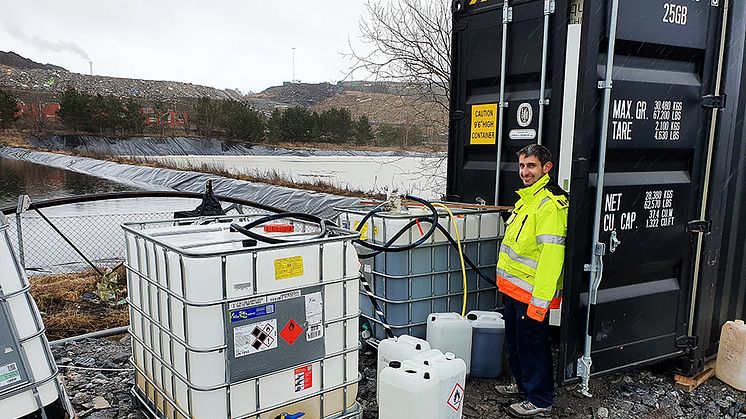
382,102
11,59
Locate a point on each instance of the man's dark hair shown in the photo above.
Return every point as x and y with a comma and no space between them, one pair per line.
535,150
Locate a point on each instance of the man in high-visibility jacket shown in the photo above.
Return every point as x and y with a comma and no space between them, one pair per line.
529,273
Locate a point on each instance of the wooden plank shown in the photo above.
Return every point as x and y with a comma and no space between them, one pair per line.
688,384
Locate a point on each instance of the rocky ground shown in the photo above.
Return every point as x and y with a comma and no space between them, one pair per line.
98,379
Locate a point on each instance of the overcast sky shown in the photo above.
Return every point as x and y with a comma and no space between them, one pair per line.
243,44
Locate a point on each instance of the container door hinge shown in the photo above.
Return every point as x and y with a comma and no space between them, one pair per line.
460,25
687,342
456,115
699,226
714,101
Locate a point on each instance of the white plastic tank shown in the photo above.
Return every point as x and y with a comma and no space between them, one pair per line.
408,390
224,326
450,332
29,382
400,349
452,373
487,343
731,358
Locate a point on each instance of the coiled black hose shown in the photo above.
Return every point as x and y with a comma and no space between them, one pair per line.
246,229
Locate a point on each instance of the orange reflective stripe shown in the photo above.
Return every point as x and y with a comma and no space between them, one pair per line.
536,313
517,293
512,290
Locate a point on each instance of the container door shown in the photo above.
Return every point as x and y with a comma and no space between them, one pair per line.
658,131
533,64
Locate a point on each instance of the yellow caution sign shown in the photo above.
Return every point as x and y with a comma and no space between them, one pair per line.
473,2
288,267
483,124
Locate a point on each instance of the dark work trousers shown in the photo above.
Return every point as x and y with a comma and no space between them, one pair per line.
529,353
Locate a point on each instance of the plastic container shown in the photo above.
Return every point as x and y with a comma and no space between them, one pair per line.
450,332
487,343
452,373
224,330
29,382
400,349
731,359
410,285
408,390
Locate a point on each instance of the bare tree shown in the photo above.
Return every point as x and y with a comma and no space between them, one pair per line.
408,41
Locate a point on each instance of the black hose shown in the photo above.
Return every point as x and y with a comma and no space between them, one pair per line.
246,229
388,247
448,236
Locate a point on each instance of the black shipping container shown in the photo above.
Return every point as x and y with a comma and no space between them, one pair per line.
671,277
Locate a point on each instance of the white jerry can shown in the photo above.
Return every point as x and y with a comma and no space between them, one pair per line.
399,348
450,332
452,372
408,390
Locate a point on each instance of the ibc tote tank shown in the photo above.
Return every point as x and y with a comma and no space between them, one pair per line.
224,326
29,382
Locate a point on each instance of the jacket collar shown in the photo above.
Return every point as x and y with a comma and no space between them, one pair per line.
527,194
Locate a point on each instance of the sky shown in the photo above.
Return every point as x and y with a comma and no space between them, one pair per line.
220,43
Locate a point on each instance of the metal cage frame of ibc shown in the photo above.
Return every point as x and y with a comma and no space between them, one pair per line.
377,325
62,402
138,230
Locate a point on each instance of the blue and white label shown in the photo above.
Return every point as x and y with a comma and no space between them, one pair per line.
252,312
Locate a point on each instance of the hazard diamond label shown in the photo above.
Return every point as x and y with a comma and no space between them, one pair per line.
291,331
456,397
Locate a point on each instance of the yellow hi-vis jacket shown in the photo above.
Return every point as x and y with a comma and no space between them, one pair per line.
532,253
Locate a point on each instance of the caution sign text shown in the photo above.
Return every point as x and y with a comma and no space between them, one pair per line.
483,124
288,267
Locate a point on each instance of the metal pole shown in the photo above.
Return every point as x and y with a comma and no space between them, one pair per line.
23,204
598,249
507,17
293,79
54,227
548,10
708,168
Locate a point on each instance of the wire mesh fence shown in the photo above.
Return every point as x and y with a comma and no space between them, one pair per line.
83,236
99,238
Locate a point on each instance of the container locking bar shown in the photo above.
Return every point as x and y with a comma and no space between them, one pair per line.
549,8
598,250
507,18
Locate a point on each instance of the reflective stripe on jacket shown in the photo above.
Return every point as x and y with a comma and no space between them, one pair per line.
532,253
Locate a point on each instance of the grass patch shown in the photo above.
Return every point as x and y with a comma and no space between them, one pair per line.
68,305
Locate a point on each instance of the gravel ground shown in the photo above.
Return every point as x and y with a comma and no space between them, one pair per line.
99,393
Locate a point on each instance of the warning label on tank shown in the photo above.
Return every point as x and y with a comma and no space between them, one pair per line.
483,124
303,378
314,316
456,397
9,374
255,337
251,312
288,267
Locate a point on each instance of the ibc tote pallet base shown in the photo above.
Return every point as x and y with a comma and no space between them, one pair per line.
149,410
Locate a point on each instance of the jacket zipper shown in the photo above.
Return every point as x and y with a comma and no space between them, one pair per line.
521,229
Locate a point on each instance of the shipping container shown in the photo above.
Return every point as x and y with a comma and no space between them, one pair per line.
664,240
